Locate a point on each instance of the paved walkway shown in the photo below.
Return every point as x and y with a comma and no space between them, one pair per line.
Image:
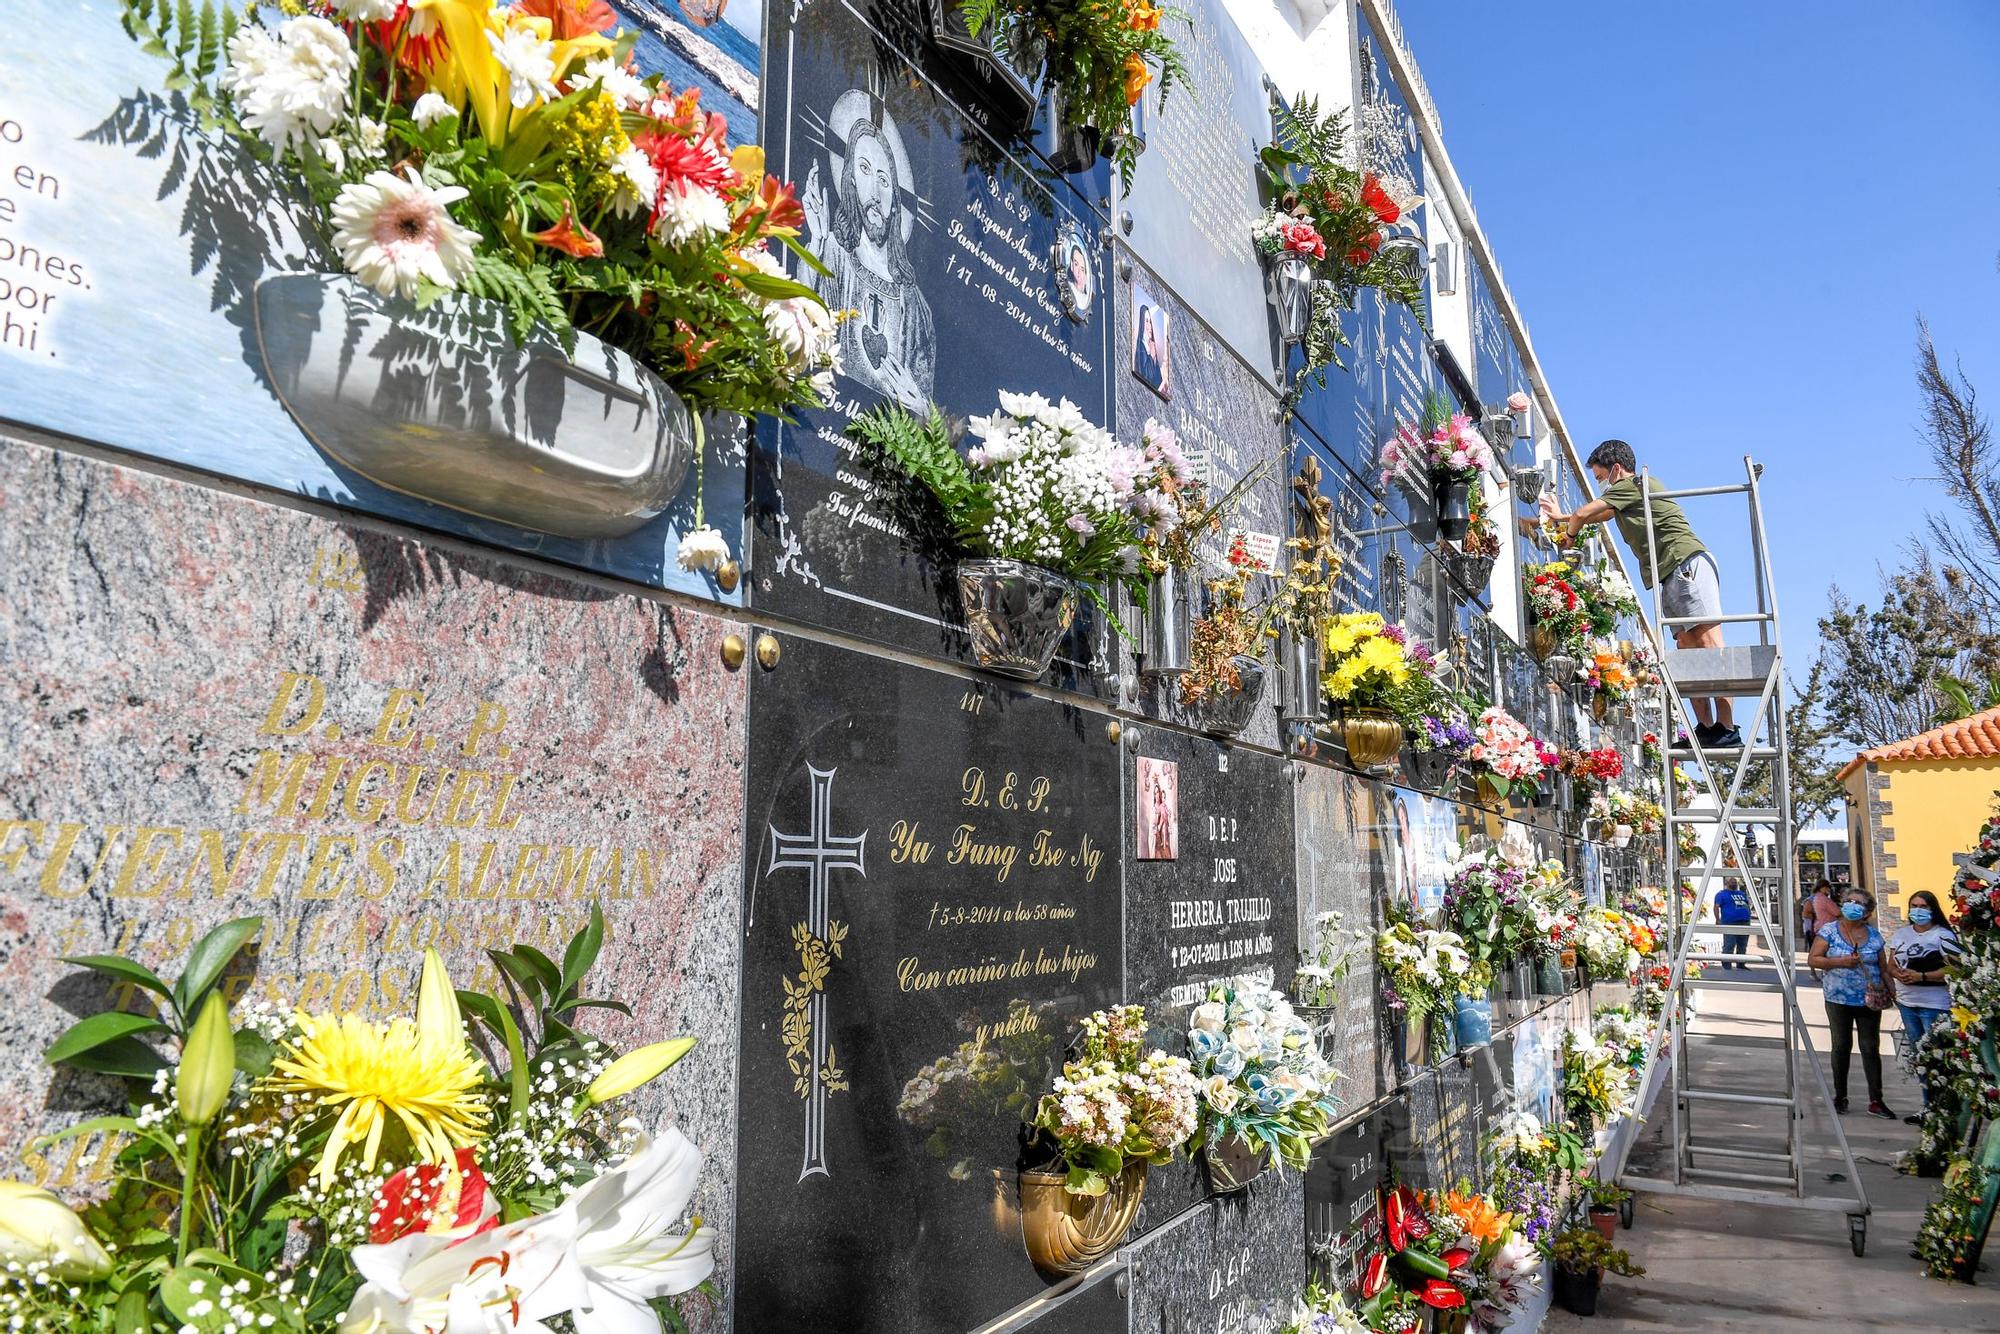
1717,1266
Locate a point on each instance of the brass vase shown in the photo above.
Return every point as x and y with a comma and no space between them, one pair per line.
1600,705
1541,642
1373,737
1066,1233
1489,790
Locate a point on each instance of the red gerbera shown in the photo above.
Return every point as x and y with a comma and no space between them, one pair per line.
1378,200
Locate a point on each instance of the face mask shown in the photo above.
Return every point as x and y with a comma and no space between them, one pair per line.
1853,912
1920,916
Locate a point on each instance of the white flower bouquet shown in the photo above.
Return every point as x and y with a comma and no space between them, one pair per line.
1117,1102
1335,951
1261,1077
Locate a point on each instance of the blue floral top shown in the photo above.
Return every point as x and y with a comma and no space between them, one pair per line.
1849,986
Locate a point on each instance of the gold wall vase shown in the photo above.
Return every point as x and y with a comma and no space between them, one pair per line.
1541,642
1066,1233
1488,788
1374,737
1600,704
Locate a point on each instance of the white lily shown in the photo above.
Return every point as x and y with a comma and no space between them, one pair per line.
451,1283
621,1255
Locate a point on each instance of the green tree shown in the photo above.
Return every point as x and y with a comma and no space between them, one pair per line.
1885,666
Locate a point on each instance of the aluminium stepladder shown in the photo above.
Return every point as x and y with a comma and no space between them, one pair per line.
1717,1149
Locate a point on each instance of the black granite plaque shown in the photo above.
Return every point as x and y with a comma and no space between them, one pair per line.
1102,1308
944,244
1223,906
1234,1266
1344,1203
1343,867
1195,195
932,901
1415,1140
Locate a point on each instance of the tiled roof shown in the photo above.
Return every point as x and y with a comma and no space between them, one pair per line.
1977,737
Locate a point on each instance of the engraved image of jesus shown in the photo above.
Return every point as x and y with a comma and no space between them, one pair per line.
890,343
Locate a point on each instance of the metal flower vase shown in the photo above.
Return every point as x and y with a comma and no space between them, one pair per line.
1529,479
1373,737
1016,614
1489,790
442,403
1299,676
1542,642
1075,139
1064,1233
1428,770
1166,627
1472,571
1291,296
1413,1039
1227,710
1233,1163
1453,498
1548,978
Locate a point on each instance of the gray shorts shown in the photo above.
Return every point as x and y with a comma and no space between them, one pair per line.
1692,588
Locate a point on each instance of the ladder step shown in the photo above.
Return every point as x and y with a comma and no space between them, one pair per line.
1722,1174
1717,984
1754,1155
1723,1095
1736,872
1718,929
1846,1204
1735,670
1725,754
1741,815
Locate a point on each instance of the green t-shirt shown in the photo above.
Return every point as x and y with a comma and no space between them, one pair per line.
1675,538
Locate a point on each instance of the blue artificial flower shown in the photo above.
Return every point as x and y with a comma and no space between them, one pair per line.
1203,1044
1272,1098
1228,1062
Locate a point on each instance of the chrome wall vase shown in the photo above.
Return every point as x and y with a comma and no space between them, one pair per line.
1226,711
1166,626
1299,677
1233,1164
1529,479
1076,140
1472,572
1016,614
1428,770
444,405
1291,296
1064,1233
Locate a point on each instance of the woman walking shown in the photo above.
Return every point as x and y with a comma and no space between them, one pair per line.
1919,954
1847,954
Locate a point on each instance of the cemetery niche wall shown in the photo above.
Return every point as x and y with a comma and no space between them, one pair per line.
879,887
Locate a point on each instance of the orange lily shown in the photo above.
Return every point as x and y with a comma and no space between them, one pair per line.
570,237
1137,76
1143,17
1478,1217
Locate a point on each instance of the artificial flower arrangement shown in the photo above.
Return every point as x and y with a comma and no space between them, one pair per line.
1249,607
1612,808
1486,901
1649,749
1334,951
1117,1103
1366,671
1453,1251
1097,57
1648,816
1607,596
1610,679
1480,546
1625,1032
306,1170
1043,487
1949,1237
1265,1090
1594,768
1445,449
511,152
1559,623
1424,971
1531,1168
1506,756
1597,1084
1335,220
1604,944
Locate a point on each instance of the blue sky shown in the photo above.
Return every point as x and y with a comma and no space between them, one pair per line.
1720,221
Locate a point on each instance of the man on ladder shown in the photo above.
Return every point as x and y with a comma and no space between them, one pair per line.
1693,585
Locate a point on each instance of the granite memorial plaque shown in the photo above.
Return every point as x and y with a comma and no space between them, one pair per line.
1225,419
227,708
1344,1204
1224,908
1101,1308
133,267
1234,1266
945,246
932,901
1416,1142
1196,193
1343,867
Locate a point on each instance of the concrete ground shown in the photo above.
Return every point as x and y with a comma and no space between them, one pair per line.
1717,1266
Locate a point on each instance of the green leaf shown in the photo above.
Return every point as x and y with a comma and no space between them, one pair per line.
545,968
97,1031
583,950
773,288
620,1006
484,1008
523,973
127,1057
254,1053
106,1124
205,962
122,969
131,1316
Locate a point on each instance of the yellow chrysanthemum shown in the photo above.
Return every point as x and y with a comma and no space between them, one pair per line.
1963,1017
421,1074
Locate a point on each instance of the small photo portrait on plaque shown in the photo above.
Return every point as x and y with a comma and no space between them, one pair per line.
1152,346
1075,273
1159,810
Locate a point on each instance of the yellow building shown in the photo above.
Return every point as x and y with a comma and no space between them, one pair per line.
1913,804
